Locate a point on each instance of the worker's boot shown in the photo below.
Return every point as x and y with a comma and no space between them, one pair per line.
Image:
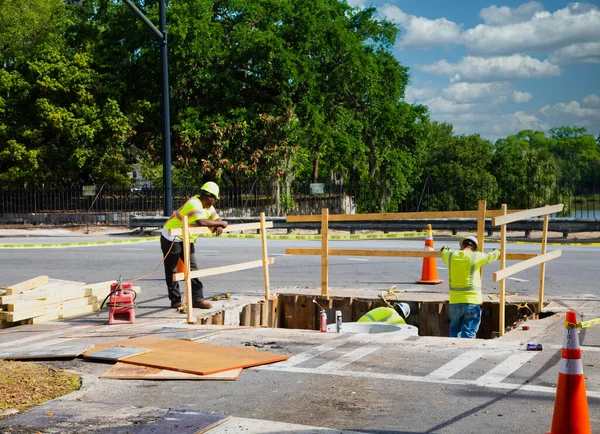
202,304
176,304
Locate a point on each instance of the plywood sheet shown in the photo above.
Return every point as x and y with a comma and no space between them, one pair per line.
193,357
49,352
127,371
117,353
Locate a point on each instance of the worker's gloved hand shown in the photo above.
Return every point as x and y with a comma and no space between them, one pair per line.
496,249
444,248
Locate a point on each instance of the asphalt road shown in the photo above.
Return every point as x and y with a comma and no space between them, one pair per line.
373,384
575,274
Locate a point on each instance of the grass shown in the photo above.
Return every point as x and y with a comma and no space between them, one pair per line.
26,384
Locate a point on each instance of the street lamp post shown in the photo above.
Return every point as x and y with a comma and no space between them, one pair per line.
161,36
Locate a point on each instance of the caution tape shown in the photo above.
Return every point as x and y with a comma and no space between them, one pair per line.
583,324
389,236
76,244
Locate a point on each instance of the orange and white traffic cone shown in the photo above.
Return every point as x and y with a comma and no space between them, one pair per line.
571,413
429,273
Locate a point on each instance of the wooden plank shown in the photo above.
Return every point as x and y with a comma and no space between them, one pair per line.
396,253
529,213
126,371
224,269
186,270
543,266
502,320
41,352
54,288
524,265
229,228
324,252
48,309
265,255
117,353
393,216
27,285
65,313
193,357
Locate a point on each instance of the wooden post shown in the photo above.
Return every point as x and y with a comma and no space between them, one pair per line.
481,229
502,318
186,271
325,252
265,256
543,266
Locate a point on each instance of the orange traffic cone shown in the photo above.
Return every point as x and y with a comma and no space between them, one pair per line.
570,407
180,266
429,273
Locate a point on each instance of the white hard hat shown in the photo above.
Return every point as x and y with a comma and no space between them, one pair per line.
472,239
212,188
403,309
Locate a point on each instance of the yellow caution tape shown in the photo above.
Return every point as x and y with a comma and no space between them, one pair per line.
390,236
76,244
582,325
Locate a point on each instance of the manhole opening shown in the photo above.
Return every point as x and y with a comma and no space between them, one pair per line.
432,318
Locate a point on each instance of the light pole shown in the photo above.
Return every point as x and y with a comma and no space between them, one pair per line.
161,36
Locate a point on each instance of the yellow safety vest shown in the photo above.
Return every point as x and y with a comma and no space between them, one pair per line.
382,314
194,210
463,273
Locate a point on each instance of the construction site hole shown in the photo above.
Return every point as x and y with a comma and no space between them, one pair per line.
430,315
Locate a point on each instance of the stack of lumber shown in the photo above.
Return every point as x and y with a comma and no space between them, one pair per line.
42,299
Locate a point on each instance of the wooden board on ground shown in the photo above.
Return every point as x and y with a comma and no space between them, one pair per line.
193,357
117,353
127,371
49,352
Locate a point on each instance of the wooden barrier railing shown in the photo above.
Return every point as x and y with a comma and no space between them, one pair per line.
541,259
325,251
188,275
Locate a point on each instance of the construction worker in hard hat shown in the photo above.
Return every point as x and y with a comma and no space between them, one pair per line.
200,211
395,315
464,281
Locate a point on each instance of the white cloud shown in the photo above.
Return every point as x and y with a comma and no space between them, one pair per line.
591,100
485,93
421,32
573,108
415,94
544,32
479,69
519,97
587,52
493,126
499,16
355,3
441,105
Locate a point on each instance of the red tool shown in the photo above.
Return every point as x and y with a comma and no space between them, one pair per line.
121,303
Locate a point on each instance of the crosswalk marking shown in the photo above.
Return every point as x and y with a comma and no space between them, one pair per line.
315,351
456,365
504,369
352,356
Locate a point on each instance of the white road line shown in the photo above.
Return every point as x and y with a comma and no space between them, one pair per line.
456,365
517,279
357,259
414,378
352,356
135,249
504,369
441,268
316,351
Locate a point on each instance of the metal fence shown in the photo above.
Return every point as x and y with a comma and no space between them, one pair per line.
250,198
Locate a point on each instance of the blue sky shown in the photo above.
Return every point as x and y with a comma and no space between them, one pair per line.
496,68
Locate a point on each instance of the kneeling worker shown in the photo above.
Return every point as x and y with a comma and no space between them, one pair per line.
200,212
397,315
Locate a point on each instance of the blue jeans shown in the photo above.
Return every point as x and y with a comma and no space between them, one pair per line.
464,320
